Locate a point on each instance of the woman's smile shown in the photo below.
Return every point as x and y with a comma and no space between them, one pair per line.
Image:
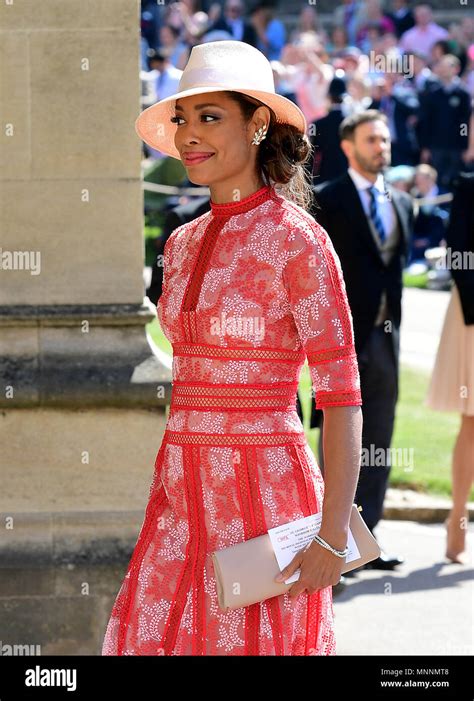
193,158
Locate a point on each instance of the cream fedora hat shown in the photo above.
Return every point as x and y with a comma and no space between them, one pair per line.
215,66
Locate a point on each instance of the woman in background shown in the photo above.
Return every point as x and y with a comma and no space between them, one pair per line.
452,381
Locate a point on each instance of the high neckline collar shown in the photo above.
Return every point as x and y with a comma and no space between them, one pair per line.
244,205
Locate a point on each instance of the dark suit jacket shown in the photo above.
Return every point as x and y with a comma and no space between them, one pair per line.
174,218
404,104
341,213
442,115
329,160
460,237
249,35
402,24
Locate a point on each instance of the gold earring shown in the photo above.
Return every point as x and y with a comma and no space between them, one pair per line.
260,135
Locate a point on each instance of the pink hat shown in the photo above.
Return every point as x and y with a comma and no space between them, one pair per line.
212,67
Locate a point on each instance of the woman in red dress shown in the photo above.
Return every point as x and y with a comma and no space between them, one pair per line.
250,290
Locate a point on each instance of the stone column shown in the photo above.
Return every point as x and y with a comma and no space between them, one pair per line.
83,390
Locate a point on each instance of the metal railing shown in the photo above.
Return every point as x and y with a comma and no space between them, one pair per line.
204,191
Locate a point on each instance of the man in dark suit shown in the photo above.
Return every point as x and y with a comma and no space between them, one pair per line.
445,113
401,16
399,102
233,22
370,228
329,160
177,216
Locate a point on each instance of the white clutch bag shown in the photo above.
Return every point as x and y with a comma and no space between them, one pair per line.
245,572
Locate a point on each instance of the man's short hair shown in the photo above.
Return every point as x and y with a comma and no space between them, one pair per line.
350,124
452,59
425,169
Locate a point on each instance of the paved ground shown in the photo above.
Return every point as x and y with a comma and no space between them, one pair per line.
425,607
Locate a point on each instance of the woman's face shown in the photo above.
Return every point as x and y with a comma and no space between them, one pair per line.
339,36
212,123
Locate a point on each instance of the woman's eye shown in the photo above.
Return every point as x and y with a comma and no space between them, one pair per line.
176,118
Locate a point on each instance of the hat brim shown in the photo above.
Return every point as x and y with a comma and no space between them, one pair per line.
154,127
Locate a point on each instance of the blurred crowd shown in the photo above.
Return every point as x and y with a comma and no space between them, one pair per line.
392,56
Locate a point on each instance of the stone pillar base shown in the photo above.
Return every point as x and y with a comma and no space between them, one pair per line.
65,570
75,485
80,355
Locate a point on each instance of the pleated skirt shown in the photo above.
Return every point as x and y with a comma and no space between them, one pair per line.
451,385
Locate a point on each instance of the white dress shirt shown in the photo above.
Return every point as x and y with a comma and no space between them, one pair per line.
384,205
389,221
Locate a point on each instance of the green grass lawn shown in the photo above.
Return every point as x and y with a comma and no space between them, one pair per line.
158,336
428,435
415,280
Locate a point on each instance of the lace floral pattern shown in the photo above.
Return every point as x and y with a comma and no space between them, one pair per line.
251,289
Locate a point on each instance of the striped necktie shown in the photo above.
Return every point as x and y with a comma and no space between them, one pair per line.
374,213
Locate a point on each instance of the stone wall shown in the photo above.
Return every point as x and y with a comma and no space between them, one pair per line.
83,391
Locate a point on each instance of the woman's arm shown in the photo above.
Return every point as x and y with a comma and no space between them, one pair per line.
342,444
313,278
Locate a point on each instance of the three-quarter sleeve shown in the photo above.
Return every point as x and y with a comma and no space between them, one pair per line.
313,279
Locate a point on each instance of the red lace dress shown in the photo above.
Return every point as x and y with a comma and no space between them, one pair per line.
250,289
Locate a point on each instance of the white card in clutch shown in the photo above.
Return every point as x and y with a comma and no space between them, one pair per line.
290,538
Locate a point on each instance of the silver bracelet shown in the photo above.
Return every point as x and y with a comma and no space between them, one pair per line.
338,553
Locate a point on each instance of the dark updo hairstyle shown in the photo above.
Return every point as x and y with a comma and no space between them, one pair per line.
282,154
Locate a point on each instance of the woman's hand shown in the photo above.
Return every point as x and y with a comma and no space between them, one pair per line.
319,569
